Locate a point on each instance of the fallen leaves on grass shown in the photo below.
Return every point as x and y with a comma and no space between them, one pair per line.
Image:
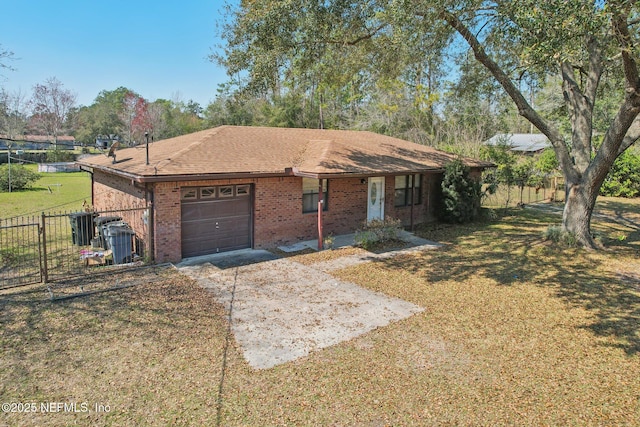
514,332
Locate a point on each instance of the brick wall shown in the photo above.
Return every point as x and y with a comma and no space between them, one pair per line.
278,210
277,217
166,222
116,196
347,206
110,191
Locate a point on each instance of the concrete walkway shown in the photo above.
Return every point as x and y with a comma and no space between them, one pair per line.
281,310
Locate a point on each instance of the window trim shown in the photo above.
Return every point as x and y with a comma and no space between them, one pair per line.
207,193
225,191
189,193
406,190
314,196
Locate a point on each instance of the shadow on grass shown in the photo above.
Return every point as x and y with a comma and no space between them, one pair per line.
155,310
620,212
511,251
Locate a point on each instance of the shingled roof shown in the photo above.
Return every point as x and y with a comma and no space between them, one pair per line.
238,151
521,142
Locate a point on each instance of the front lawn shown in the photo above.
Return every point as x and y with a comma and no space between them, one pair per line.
515,331
54,191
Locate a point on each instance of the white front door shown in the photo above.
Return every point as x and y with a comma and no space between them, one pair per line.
375,205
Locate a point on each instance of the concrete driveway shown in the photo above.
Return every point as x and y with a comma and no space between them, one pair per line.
281,310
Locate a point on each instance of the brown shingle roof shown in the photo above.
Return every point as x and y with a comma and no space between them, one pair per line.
240,150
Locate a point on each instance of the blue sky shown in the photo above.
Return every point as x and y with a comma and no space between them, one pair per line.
158,49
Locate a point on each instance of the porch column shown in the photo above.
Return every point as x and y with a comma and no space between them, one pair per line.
320,206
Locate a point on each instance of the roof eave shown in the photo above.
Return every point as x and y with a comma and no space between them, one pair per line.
182,177
361,174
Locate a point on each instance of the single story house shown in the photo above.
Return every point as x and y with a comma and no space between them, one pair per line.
522,143
37,142
234,187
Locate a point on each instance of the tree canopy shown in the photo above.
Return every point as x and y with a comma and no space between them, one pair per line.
589,48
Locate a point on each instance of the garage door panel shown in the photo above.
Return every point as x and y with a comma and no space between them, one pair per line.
214,225
231,208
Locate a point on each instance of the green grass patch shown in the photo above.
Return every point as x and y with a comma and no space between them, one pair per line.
61,191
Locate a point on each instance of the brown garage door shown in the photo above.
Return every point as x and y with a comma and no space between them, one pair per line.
215,219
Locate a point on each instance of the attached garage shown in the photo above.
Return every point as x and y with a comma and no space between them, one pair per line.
216,219
238,187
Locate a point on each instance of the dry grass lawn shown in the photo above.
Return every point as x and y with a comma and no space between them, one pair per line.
516,331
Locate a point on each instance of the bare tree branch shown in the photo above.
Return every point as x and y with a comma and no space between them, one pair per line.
359,39
524,108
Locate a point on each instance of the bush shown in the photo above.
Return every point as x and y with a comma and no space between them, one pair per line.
21,177
377,232
58,155
461,194
555,234
623,179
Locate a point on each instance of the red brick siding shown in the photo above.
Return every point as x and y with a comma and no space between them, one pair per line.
347,206
277,217
278,210
166,222
113,193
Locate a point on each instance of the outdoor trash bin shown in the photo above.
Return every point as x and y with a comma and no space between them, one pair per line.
81,228
102,222
119,240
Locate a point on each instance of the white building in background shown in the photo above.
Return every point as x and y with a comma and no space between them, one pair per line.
523,143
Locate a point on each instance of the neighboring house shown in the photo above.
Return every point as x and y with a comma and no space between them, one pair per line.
235,187
38,142
523,143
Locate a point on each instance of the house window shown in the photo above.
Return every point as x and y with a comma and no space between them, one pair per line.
242,190
208,193
226,191
403,190
189,193
310,195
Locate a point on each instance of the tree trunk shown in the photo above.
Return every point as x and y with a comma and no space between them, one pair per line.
576,217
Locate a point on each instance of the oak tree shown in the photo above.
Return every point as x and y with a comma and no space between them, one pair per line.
520,43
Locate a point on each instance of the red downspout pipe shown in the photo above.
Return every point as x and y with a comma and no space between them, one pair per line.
413,195
320,206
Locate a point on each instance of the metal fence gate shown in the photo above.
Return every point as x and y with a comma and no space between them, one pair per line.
55,246
20,251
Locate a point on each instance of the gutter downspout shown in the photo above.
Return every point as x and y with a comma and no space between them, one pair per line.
413,195
320,206
93,194
150,225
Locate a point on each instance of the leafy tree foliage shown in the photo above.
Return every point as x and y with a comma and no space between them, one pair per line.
592,48
506,164
100,118
624,178
19,176
547,163
58,155
461,194
127,115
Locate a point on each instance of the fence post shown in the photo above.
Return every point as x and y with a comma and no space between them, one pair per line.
45,267
39,252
